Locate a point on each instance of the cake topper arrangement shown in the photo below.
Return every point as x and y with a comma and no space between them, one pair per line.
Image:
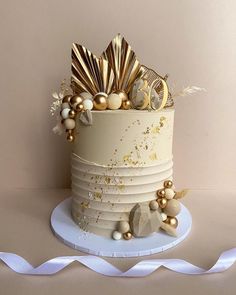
115,80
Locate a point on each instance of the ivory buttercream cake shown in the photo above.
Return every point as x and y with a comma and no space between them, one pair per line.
119,117
119,161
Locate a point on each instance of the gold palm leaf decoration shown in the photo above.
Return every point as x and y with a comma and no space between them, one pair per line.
158,83
122,60
89,73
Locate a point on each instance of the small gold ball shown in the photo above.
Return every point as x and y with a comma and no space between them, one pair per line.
100,101
172,221
75,100
127,236
70,137
126,104
161,193
66,98
168,184
79,107
72,114
122,95
162,202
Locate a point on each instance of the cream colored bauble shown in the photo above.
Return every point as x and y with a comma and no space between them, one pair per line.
153,205
172,208
123,227
114,101
169,193
116,235
69,124
65,113
88,104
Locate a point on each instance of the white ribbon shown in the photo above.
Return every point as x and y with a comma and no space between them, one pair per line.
99,265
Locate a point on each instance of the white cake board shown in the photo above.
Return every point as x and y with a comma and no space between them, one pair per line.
69,232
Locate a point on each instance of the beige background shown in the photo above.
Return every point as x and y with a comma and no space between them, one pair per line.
195,42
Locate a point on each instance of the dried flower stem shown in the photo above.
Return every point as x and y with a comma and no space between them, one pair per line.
188,91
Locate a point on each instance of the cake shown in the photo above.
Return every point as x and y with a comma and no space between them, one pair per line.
119,117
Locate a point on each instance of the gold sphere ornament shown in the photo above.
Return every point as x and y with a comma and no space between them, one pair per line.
70,138
79,107
122,94
168,184
72,114
100,101
161,193
127,236
126,104
172,221
75,100
66,98
162,203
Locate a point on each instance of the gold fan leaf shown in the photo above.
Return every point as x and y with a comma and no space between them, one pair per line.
122,60
89,73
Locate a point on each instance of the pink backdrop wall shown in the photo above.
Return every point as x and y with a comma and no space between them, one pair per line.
194,41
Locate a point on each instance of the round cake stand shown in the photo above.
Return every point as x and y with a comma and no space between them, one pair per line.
70,234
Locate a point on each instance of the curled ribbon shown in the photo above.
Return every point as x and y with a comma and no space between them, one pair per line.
101,266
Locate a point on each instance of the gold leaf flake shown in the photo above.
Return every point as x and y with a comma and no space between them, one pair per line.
181,194
153,156
155,130
98,195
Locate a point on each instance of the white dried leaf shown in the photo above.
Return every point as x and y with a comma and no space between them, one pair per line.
86,118
55,95
59,128
181,194
61,94
189,90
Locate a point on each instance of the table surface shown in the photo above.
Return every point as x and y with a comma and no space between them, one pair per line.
25,230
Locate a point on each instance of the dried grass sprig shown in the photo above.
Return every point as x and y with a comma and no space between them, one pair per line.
189,90
58,96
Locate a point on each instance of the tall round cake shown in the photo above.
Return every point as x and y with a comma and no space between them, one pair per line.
119,161
119,117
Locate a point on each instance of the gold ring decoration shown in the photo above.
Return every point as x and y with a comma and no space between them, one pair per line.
165,92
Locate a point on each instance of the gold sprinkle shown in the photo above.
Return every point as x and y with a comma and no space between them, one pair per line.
156,129
121,186
153,156
84,205
98,195
162,118
107,180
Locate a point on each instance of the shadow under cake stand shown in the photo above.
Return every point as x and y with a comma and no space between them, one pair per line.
70,234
